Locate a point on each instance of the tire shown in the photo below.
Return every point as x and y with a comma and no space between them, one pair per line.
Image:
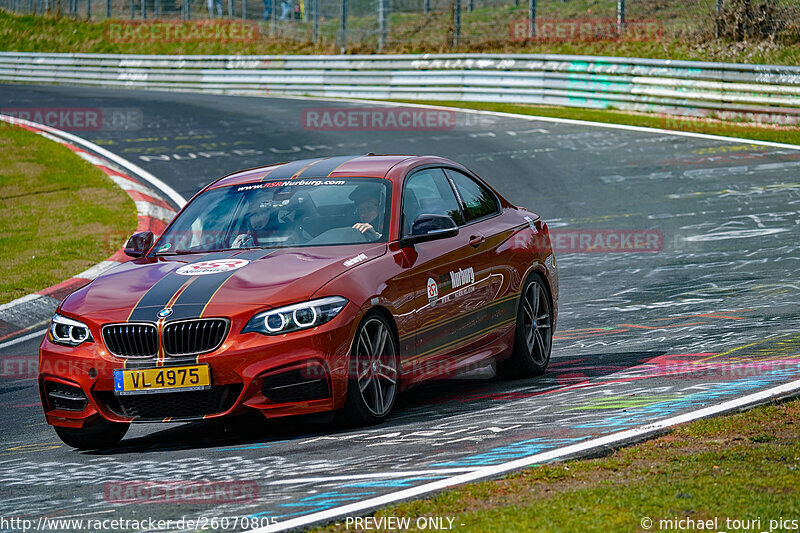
533,339
100,434
372,391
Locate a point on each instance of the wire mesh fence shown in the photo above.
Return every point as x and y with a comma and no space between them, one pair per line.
441,25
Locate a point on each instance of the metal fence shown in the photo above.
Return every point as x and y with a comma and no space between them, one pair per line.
768,93
441,24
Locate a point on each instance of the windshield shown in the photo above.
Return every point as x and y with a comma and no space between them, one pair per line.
280,214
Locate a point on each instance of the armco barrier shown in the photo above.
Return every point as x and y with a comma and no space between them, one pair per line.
653,85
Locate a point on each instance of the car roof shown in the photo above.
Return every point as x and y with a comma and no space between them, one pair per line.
362,165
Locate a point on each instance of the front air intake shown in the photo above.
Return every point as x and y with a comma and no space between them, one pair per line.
66,397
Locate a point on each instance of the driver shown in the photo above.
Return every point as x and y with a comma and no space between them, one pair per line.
368,213
265,220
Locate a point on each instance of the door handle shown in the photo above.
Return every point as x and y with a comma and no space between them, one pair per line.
476,240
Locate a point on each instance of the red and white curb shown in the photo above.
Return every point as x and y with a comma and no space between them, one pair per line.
156,204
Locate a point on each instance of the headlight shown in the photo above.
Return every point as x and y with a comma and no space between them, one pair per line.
67,331
295,317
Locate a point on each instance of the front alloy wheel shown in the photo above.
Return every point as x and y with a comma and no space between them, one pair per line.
372,387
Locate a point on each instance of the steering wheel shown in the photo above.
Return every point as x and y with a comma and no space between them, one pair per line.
360,237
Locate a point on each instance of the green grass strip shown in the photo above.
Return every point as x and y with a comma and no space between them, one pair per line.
740,467
59,215
486,30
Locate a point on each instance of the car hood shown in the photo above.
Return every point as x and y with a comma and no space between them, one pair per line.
235,282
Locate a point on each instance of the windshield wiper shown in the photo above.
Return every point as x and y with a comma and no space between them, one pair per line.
182,252
242,249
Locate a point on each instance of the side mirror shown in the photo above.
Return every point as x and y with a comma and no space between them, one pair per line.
139,243
429,227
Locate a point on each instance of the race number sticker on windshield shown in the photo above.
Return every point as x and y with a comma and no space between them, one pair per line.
202,268
433,292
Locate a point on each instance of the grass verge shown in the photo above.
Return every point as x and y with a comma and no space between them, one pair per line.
737,467
746,130
486,29
58,213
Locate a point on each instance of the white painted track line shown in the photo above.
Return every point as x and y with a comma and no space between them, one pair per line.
24,338
555,120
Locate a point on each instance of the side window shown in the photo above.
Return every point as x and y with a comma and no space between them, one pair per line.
428,192
478,200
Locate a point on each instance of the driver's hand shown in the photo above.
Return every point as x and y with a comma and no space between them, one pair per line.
243,240
364,227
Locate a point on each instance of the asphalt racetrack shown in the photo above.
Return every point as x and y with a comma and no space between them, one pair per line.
711,316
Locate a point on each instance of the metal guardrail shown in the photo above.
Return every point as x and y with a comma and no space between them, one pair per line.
653,85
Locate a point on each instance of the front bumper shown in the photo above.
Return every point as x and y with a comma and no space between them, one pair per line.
297,373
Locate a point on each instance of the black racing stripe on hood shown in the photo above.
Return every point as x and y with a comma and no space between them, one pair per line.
164,289
195,297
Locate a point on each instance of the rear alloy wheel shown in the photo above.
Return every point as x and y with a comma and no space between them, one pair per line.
372,387
534,335
99,434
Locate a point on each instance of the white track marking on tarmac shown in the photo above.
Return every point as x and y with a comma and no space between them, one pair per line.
124,163
379,475
24,338
492,471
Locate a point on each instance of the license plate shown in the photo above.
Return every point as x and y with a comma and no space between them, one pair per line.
162,379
